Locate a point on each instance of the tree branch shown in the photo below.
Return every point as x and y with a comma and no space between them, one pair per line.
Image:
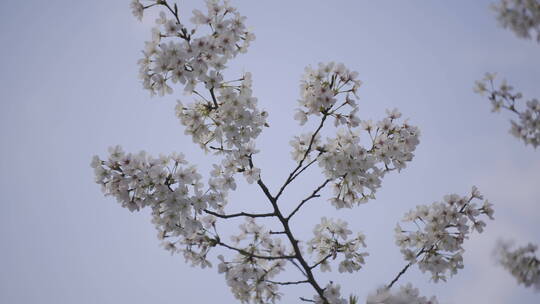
277,232
286,228
214,99
399,275
265,190
307,300
423,250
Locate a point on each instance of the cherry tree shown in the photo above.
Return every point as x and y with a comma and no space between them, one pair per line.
223,118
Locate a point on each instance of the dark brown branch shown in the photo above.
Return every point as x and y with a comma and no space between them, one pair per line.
277,232
220,149
266,191
307,300
294,242
304,267
214,99
399,275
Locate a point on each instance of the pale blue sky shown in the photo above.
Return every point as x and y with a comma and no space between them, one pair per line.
69,89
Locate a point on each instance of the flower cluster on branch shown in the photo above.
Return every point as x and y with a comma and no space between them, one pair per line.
173,190
405,295
331,237
521,16
191,60
527,128
358,170
436,244
250,273
332,295
521,262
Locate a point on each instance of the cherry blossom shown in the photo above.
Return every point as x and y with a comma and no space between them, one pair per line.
442,227
332,295
405,295
521,262
521,16
527,128
331,238
249,277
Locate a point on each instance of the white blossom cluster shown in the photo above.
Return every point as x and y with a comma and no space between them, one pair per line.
175,55
332,293
137,9
249,277
173,190
228,116
302,145
436,244
320,91
405,295
331,237
521,16
227,120
521,262
357,170
528,126
233,123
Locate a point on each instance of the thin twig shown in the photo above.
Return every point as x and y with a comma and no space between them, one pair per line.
399,275
288,283
423,250
307,166
299,268
226,216
321,261
292,175
251,255
313,195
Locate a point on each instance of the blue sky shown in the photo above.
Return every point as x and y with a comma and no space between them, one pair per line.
69,90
